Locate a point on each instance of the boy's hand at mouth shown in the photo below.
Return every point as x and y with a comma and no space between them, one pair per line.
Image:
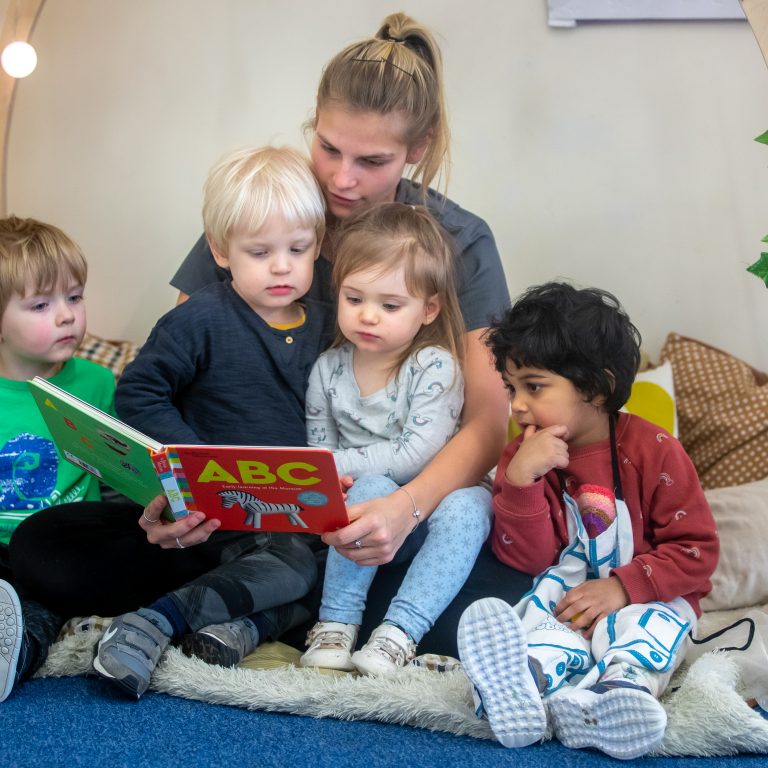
541,450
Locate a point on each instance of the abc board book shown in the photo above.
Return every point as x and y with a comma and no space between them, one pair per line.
247,487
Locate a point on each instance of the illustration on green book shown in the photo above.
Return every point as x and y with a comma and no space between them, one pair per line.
277,489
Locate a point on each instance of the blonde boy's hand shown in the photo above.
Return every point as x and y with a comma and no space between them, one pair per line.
540,451
187,532
584,605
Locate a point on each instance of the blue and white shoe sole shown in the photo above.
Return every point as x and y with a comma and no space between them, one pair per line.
623,723
11,636
494,653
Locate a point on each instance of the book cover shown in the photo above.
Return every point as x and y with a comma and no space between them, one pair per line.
256,487
98,443
288,489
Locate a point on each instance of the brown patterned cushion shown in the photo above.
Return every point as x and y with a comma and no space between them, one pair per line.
114,355
722,408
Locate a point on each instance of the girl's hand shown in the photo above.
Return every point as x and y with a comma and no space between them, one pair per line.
584,605
540,451
187,532
380,525
346,482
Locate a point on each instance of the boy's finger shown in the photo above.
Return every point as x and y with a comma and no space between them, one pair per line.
558,430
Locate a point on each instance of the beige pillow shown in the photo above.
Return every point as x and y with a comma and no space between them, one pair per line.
722,410
741,577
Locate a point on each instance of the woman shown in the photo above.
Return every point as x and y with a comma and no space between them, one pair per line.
380,107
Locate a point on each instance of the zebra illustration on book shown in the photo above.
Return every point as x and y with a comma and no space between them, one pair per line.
254,508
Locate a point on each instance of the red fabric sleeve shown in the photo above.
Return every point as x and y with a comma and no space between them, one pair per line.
529,526
676,541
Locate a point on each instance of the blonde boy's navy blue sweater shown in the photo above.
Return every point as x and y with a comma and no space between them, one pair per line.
212,371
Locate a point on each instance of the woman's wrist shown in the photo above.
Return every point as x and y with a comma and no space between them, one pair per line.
416,513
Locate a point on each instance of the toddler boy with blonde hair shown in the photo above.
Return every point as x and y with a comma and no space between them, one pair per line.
230,365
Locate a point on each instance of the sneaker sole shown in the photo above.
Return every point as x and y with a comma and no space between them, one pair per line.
622,723
210,649
131,684
11,636
494,653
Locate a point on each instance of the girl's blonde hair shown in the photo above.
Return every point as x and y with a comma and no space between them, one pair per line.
248,186
391,235
36,254
400,69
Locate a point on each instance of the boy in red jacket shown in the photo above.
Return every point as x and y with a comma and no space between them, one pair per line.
607,509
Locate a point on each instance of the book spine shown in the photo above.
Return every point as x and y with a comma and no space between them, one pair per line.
174,483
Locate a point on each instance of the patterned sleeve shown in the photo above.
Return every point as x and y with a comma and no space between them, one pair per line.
529,528
435,397
321,428
682,543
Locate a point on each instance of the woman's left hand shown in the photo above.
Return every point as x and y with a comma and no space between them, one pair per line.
377,531
185,532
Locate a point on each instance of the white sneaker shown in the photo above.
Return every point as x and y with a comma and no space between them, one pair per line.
330,646
622,722
387,650
11,637
494,653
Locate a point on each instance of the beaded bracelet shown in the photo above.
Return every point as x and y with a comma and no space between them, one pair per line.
416,511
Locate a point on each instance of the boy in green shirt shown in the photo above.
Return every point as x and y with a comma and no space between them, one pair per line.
42,322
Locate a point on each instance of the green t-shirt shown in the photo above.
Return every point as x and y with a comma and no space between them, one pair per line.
32,474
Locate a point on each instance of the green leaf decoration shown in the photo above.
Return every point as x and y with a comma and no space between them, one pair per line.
760,268
765,239
762,138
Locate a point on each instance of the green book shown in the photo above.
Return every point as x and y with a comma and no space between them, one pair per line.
120,456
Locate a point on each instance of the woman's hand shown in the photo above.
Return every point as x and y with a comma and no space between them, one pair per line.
380,525
186,532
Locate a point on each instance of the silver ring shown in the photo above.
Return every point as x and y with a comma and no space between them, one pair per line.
358,543
179,544
148,519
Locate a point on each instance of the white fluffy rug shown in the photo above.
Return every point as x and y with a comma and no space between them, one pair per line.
707,714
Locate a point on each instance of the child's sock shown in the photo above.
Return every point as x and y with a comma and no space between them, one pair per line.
165,615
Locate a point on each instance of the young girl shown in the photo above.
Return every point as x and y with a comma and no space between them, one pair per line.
386,398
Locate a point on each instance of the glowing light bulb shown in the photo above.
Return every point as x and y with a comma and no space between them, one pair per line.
18,59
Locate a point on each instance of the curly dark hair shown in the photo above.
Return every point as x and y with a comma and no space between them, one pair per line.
583,335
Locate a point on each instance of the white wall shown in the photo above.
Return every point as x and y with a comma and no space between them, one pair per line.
618,155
